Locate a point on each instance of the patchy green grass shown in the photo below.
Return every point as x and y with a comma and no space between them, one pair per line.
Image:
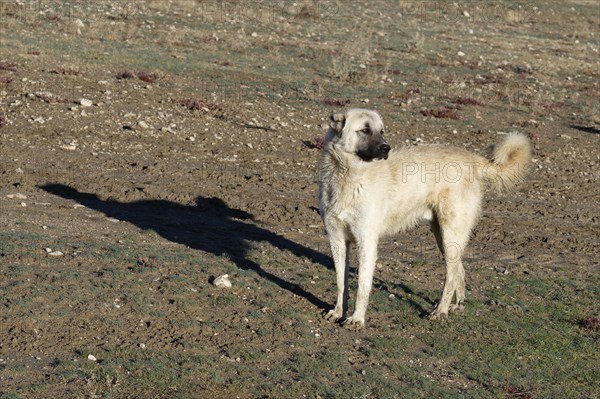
145,308
526,339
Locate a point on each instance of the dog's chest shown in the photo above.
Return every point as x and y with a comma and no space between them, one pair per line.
346,201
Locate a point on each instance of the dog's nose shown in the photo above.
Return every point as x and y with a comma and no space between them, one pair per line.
385,148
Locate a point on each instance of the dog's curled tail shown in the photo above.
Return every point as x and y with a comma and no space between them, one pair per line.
509,163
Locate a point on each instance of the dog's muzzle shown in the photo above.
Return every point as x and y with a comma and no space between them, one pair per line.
384,151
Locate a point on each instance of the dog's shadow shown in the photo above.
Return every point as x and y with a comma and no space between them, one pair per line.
210,226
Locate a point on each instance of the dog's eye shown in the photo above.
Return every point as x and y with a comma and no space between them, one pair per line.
365,131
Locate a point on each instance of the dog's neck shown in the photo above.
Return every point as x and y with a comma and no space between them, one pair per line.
340,162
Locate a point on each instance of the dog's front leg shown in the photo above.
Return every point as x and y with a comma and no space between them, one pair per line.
367,257
340,249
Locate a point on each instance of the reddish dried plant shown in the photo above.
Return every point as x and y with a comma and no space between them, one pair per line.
125,75
590,323
316,143
517,392
336,103
196,104
467,101
70,71
148,77
8,66
442,113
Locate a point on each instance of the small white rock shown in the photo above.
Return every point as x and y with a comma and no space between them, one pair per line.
460,54
143,346
84,102
56,253
48,250
17,196
222,281
92,357
23,204
143,125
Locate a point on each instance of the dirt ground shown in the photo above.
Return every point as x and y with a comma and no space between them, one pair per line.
196,156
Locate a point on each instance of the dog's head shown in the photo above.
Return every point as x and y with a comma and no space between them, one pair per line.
359,132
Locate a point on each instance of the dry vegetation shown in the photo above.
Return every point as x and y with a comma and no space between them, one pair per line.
148,147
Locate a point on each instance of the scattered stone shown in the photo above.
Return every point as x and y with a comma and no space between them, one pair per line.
143,125
222,281
17,196
565,136
92,358
23,204
55,253
460,54
143,346
84,102
69,147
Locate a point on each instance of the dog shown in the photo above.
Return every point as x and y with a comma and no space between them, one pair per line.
368,191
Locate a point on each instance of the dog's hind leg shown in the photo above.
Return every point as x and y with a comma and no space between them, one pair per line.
454,284
340,249
456,222
437,232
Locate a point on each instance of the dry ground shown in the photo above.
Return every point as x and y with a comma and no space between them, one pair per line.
196,157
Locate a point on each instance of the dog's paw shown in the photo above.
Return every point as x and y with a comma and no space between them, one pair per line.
354,324
458,308
333,315
437,314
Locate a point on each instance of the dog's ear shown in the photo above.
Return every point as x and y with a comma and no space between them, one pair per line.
337,121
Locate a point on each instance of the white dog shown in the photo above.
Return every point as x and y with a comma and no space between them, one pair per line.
367,191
